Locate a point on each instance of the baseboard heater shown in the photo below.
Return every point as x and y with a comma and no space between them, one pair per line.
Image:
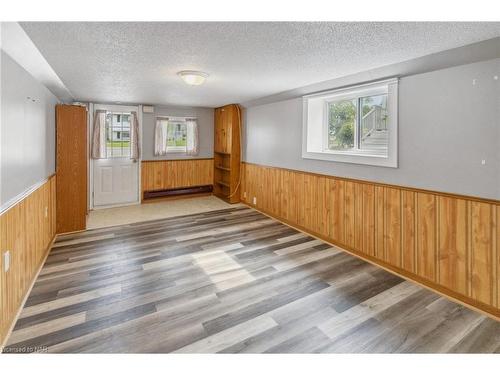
178,191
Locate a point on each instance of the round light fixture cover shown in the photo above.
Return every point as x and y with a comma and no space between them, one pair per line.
193,77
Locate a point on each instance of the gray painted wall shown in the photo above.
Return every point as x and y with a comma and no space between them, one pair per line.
205,118
27,131
447,126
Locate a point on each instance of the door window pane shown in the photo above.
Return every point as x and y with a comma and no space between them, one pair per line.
117,135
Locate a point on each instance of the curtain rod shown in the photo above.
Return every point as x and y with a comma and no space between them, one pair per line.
177,117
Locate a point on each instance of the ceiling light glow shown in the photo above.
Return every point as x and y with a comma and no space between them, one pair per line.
192,77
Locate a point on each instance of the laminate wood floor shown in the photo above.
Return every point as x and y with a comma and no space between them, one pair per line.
231,281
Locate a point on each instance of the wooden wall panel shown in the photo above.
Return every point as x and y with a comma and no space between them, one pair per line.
408,241
393,226
452,245
497,275
253,183
170,174
323,211
310,200
358,217
349,212
336,193
299,194
426,236
379,222
286,195
26,230
368,214
446,242
482,225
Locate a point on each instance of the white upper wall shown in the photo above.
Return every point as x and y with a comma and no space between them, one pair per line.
21,49
27,132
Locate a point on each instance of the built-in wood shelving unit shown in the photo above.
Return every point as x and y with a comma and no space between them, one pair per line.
222,168
227,156
222,183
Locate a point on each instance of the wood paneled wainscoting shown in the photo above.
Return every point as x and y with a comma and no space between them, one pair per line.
173,174
26,231
447,242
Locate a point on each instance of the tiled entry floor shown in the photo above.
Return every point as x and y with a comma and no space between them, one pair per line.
161,209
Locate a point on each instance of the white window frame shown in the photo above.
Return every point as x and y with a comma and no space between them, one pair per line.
175,149
315,125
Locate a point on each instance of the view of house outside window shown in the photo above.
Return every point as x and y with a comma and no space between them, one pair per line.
176,135
117,135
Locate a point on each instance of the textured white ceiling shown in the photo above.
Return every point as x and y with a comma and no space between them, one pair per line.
138,62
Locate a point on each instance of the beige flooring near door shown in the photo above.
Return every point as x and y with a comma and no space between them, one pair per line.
108,217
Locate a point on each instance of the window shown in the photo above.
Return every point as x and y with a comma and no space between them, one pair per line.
117,135
175,135
353,125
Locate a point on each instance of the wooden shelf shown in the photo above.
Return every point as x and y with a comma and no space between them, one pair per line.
222,183
223,168
222,153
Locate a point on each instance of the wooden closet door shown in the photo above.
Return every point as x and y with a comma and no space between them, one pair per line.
218,139
228,125
71,168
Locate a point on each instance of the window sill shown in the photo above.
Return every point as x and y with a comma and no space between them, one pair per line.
353,158
369,154
175,151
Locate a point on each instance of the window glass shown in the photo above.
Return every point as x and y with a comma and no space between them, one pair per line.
117,135
374,134
341,124
357,124
176,135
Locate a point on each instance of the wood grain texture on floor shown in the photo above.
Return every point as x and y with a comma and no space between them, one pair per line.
231,281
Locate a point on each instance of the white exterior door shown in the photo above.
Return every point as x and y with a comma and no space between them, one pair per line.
115,182
116,178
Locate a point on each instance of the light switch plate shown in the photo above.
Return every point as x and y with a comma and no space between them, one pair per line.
6,261
255,200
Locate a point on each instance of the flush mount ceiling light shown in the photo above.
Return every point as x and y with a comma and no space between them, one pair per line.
192,77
